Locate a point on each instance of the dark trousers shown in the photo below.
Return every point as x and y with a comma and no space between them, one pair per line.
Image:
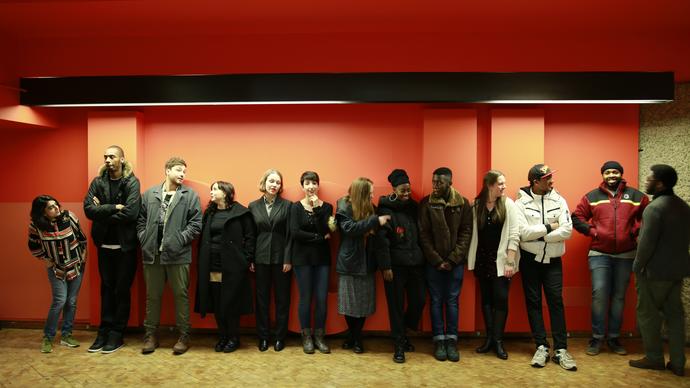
312,282
410,282
549,277
355,326
272,276
226,304
658,300
117,269
494,292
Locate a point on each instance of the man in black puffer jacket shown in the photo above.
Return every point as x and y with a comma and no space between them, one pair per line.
112,203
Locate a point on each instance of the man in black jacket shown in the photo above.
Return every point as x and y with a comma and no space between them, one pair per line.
661,263
113,203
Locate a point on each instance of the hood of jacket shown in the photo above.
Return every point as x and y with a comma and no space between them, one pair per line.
454,199
127,170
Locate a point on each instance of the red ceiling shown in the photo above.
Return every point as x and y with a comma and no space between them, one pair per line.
94,36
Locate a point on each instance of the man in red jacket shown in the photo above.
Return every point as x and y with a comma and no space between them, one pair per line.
610,215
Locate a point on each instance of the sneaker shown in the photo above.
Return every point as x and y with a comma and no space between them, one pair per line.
69,341
616,347
594,347
150,344
565,360
47,345
98,344
540,357
113,345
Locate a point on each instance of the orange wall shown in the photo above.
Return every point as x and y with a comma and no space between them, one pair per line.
237,143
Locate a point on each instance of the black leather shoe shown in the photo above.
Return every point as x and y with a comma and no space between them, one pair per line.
408,347
263,345
220,344
231,345
644,363
676,371
487,346
399,355
280,345
357,347
347,345
500,352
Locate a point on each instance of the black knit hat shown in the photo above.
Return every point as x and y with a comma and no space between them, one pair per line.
612,164
398,177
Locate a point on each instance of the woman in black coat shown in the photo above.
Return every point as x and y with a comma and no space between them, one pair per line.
226,248
272,265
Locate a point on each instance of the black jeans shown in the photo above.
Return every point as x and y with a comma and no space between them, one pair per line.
410,281
272,276
536,276
117,269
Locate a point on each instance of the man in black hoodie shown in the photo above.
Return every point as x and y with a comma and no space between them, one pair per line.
113,203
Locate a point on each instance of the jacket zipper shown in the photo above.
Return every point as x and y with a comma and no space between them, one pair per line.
615,227
543,221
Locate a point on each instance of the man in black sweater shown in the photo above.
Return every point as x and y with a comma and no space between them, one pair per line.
661,263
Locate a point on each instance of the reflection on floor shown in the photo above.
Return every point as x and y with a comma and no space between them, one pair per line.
22,364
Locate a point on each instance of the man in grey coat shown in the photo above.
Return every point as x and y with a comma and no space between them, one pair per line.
170,219
661,263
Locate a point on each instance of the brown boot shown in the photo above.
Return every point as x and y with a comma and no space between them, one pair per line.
182,345
150,344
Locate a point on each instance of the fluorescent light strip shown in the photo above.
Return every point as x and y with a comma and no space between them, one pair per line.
575,101
134,104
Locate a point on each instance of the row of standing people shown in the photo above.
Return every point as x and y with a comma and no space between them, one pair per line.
413,245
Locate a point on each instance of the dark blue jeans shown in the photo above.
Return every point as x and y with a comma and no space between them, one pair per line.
444,288
610,280
312,282
65,293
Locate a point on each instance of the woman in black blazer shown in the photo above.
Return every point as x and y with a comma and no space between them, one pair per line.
271,263
226,248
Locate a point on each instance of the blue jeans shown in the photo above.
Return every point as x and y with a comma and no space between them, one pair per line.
312,281
444,288
65,293
610,280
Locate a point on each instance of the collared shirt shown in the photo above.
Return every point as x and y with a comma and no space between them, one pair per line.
269,205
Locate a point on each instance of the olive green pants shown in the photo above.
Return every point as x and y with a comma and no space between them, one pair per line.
177,276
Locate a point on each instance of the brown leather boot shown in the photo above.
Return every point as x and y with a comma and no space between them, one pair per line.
182,345
150,344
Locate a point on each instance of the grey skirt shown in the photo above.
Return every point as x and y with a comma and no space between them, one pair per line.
357,295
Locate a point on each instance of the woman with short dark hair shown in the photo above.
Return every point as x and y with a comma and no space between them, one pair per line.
311,225
56,237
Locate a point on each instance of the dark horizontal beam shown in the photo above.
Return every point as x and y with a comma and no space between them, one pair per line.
350,88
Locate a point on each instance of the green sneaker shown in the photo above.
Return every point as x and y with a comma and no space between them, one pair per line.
47,345
69,341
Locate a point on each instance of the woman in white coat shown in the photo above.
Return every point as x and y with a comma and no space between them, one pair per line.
493,256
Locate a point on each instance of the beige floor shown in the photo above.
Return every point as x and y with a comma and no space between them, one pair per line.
21,364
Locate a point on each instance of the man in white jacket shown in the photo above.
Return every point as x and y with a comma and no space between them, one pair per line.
545,224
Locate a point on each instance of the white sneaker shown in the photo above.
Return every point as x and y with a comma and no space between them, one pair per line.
540,357
565,360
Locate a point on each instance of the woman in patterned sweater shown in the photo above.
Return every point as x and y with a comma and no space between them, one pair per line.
56,238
